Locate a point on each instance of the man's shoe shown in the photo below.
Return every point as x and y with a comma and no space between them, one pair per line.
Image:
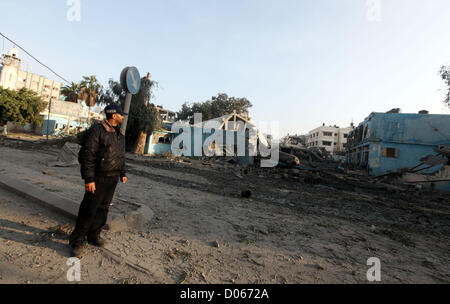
76,251
99,242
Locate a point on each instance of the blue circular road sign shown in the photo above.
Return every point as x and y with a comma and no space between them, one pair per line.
131,80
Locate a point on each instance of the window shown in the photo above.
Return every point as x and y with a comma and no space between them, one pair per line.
345,135
327,134
326,143
390,152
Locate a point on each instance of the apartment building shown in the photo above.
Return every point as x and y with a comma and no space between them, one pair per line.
332,138
395,142
62,113
13,78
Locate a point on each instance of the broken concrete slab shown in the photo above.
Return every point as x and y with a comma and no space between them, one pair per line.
289,159
131,221
124,216
68,156
433,160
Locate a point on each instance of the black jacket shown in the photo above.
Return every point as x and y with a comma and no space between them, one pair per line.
102,152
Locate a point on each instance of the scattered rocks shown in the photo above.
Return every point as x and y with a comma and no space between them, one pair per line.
185,242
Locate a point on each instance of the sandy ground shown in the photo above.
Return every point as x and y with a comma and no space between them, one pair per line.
289,231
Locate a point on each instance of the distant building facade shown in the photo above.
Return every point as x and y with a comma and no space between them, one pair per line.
63,114
391,142
13,78
167,116
332,138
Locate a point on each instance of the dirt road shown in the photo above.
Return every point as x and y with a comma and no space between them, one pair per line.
290,230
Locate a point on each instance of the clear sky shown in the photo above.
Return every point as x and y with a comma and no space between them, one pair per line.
302,63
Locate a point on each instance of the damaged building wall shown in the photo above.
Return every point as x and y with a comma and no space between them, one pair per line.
386,143
229,143
158,143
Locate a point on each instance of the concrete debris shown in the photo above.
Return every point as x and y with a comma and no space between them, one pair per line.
297,141
68,156
432,171
443,150
307,156
433,160
289,160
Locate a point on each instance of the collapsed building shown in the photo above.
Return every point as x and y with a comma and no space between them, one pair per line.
413,147
227,131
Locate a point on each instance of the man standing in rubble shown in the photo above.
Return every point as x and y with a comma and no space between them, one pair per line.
102,159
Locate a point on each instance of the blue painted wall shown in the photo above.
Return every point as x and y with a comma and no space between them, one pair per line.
409,156
422,129
231,135
156,148
413,135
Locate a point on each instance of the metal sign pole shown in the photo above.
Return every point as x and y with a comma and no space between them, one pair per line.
131,83
48,117
126,110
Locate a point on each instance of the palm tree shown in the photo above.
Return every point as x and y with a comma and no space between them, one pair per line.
89,92
71,92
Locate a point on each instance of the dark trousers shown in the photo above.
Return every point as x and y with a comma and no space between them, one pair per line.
93,211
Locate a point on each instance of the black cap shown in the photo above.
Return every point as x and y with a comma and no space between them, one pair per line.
114,109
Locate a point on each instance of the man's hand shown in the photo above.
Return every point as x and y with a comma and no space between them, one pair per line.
90,187
124,179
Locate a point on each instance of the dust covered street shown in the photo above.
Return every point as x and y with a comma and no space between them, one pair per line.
216,222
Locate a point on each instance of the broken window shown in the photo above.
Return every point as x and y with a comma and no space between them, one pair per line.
326,143
390,152
164,140
365,131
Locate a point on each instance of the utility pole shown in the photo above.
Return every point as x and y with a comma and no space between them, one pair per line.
131,83
126,110
48,116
